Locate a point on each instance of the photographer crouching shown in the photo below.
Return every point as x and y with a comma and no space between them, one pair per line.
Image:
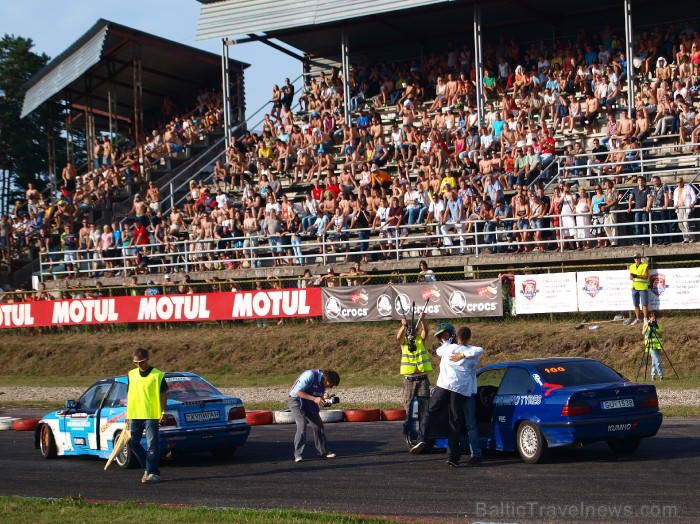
653,344
306,397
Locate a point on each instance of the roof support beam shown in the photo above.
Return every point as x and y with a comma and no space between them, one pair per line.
265,40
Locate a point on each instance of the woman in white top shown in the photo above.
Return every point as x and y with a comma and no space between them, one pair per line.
584,210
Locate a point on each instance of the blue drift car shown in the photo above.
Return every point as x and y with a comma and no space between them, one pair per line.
198,417
529,406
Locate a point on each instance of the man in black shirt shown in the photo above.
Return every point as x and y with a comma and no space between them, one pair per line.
640,202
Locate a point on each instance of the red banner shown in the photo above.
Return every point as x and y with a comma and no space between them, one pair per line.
243,305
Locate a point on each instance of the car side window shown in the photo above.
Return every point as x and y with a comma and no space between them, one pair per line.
92,398
117,396
517,382
492,377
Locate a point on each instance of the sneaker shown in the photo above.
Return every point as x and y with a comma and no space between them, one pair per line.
151,478
627,322
145,476
634,322
452,463
474,461
298,459
328,455
417,448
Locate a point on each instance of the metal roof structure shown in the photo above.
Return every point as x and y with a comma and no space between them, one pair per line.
392,30
102,61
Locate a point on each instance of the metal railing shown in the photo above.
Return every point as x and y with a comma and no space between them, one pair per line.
473,237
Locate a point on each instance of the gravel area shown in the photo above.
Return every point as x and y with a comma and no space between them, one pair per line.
368,395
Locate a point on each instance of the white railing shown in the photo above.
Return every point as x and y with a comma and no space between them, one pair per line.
406,241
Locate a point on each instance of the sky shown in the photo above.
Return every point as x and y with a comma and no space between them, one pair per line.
54,25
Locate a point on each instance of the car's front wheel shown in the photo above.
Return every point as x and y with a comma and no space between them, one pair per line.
223,453
530,443
125,459
47,443
625,445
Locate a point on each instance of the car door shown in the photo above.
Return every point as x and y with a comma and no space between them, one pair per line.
112,415
80,422
512,403
487,382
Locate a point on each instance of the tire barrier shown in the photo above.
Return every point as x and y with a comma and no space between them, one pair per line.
283,417
332,415
6,423
362,415
393,414
260,417
26,424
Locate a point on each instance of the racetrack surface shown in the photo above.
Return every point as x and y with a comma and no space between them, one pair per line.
373,474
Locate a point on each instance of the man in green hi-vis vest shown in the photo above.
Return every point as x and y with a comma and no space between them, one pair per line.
145,408
415,361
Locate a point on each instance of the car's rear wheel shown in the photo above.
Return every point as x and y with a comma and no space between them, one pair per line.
125,459
47,443
625,445
530,443
223,453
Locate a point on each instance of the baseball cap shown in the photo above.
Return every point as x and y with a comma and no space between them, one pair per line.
150,282
167,276
637,255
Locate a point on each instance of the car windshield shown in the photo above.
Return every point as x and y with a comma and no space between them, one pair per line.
183,389
575,373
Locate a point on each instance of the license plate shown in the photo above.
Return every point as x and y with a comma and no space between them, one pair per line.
617,404
202,416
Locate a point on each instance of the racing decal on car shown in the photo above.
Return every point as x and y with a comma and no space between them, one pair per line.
79,441
517,400
78,423
550,387
537,378
111,421
612,428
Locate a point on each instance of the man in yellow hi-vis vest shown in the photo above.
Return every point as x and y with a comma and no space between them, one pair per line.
415,361
639,275
145,408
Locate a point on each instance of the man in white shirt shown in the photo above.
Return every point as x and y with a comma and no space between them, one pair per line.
684,198
456,385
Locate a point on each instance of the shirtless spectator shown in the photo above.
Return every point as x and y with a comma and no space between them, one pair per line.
589,120
153,197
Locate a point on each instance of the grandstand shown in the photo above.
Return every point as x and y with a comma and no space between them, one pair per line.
401,162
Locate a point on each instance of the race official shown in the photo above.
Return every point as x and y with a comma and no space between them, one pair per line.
415,363
306,397
146,401
639,275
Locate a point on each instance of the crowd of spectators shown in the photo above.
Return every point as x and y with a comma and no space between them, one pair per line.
434,175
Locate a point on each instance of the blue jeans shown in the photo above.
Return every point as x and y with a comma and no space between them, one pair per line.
363,236
662,228
470,416
307,222
296,247
656,368
641,226
149,459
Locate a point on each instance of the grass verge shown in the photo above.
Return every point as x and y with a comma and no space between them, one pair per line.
14,510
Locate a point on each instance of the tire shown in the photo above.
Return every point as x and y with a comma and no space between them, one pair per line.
7,423
47,443
393,414
625,445
26,424
223,453
332,415
283,417
362,415
259,417
125,459
530,443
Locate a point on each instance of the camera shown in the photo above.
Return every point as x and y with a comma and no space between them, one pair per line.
411,343
329,401
654,325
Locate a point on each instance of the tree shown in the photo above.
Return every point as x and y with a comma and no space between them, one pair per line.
23,142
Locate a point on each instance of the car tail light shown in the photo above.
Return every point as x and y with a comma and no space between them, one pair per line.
570,410
169,420
651,402
236,413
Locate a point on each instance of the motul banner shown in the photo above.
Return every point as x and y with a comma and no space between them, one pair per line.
242,305
473,298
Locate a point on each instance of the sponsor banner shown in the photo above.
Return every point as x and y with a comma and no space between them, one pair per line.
164,308
474,298
604,290
545,293
674,289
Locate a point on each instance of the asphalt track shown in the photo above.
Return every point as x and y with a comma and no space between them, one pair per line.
374,475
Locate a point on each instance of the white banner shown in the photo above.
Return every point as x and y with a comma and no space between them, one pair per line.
545,293
604,290
675,288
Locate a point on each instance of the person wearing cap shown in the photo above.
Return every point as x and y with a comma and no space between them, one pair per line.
639,275
146,404
455,391
415,362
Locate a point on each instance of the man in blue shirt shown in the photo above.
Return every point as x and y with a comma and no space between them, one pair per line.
306,397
